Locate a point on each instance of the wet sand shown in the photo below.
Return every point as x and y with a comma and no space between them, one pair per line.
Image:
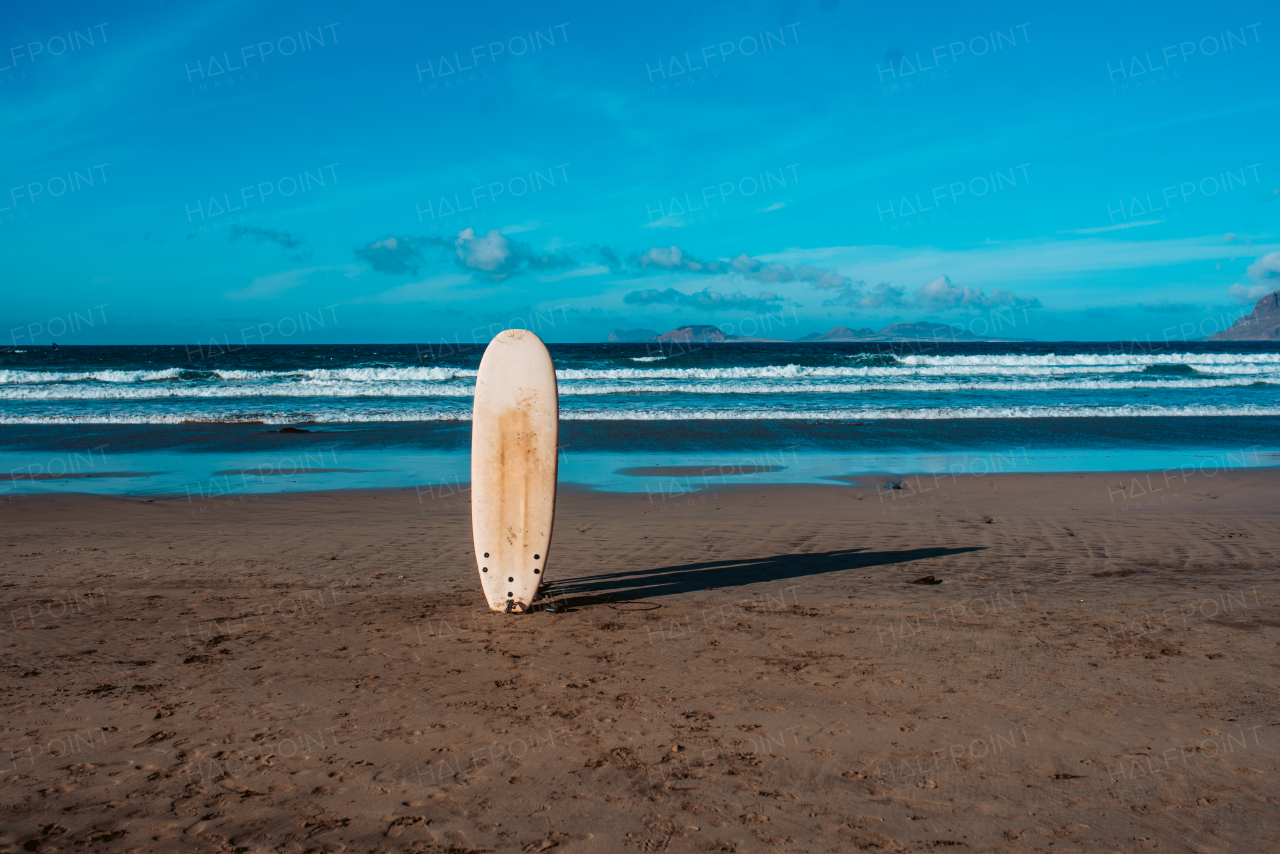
739,669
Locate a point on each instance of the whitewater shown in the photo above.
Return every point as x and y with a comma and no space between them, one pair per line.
333,384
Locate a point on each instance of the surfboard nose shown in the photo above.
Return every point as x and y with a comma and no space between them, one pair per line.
508,336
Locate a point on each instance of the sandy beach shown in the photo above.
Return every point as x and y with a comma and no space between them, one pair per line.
873,415
1093,667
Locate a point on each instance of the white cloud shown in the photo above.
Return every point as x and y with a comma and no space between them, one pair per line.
594,270
1241,294
1020,262
818,277
940,295
668,258
776,206
268,287
424,291
1055,270
884,295
1116,227
486,253
1266,267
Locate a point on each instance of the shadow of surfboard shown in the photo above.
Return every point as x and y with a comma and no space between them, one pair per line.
710,575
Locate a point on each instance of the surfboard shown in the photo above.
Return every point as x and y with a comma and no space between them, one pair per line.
514,429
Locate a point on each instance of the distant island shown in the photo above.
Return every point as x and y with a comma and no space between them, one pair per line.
921,331
706,334
1261,324
627,335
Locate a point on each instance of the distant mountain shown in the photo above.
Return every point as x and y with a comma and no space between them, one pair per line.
698,334
839,333
618,335
703,334
1261,324
707,334
931,332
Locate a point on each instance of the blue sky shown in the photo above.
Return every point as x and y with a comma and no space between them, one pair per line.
410,172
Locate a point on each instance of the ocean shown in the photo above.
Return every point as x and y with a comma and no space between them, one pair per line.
396,415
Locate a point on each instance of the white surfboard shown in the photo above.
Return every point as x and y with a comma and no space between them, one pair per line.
514,429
